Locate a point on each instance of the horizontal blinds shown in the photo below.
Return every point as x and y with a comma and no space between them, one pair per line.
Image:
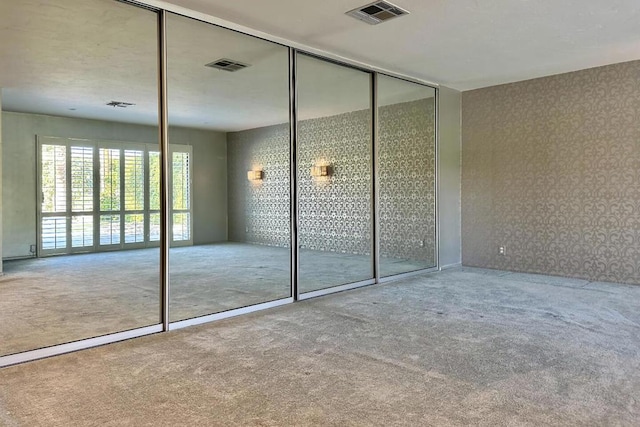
133,180
181,179
154,180
54,232
54,178
109,179
82,231
181,226
81,179
109,229
108,194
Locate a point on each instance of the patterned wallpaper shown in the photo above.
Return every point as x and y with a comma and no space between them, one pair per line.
259,210
407,181
335,211
551,170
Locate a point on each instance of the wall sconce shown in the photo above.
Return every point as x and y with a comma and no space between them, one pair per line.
256,175
320,170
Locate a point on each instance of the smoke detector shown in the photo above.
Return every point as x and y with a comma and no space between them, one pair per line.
120,104
377,12
227,65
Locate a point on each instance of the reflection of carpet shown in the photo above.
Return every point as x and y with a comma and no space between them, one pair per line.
60,299
463,347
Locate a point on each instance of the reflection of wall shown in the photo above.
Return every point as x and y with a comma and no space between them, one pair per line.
209,182
449,176
1,180
407,181
19,132
335,212
551,170
259,210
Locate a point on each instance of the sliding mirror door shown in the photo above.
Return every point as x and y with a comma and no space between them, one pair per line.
229,169
334,175
406,176
80,120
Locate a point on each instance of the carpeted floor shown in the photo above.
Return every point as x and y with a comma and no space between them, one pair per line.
61,299
460,347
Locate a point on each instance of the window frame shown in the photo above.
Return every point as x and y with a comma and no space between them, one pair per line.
97,213
188,149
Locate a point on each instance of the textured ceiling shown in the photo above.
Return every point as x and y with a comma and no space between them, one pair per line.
463,44
71,57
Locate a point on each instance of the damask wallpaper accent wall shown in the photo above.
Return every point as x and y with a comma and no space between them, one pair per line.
551,171
407,177
335,211
259,211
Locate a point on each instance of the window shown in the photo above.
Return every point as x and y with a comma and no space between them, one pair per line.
53,166
134,194
181,195
154,196
114,191
110,196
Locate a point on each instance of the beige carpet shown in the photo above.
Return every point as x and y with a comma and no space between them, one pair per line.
54,300
462,347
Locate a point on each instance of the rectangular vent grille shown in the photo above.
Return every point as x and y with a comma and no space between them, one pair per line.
227,65
120,104
377,12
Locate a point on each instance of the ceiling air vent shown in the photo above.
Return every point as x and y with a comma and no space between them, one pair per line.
120,104
227,65
377,12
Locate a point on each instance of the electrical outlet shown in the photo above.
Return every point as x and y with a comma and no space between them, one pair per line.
32,249
502,250
422,243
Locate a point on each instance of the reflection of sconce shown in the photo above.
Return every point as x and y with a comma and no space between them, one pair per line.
320,170
255,175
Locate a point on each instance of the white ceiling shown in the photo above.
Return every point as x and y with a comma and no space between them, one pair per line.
71,57
463,44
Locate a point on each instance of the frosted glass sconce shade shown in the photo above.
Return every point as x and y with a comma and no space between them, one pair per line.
255,175
320,170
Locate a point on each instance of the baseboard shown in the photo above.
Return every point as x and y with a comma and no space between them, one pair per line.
17,258
450,266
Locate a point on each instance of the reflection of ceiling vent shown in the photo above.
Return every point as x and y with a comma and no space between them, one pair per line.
377,12
227,65
120,104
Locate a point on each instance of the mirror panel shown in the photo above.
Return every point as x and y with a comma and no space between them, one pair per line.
79,122
334,174
230,178
406,176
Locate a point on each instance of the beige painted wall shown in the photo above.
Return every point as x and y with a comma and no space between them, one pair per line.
1,180
449,164
19,132
551,170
